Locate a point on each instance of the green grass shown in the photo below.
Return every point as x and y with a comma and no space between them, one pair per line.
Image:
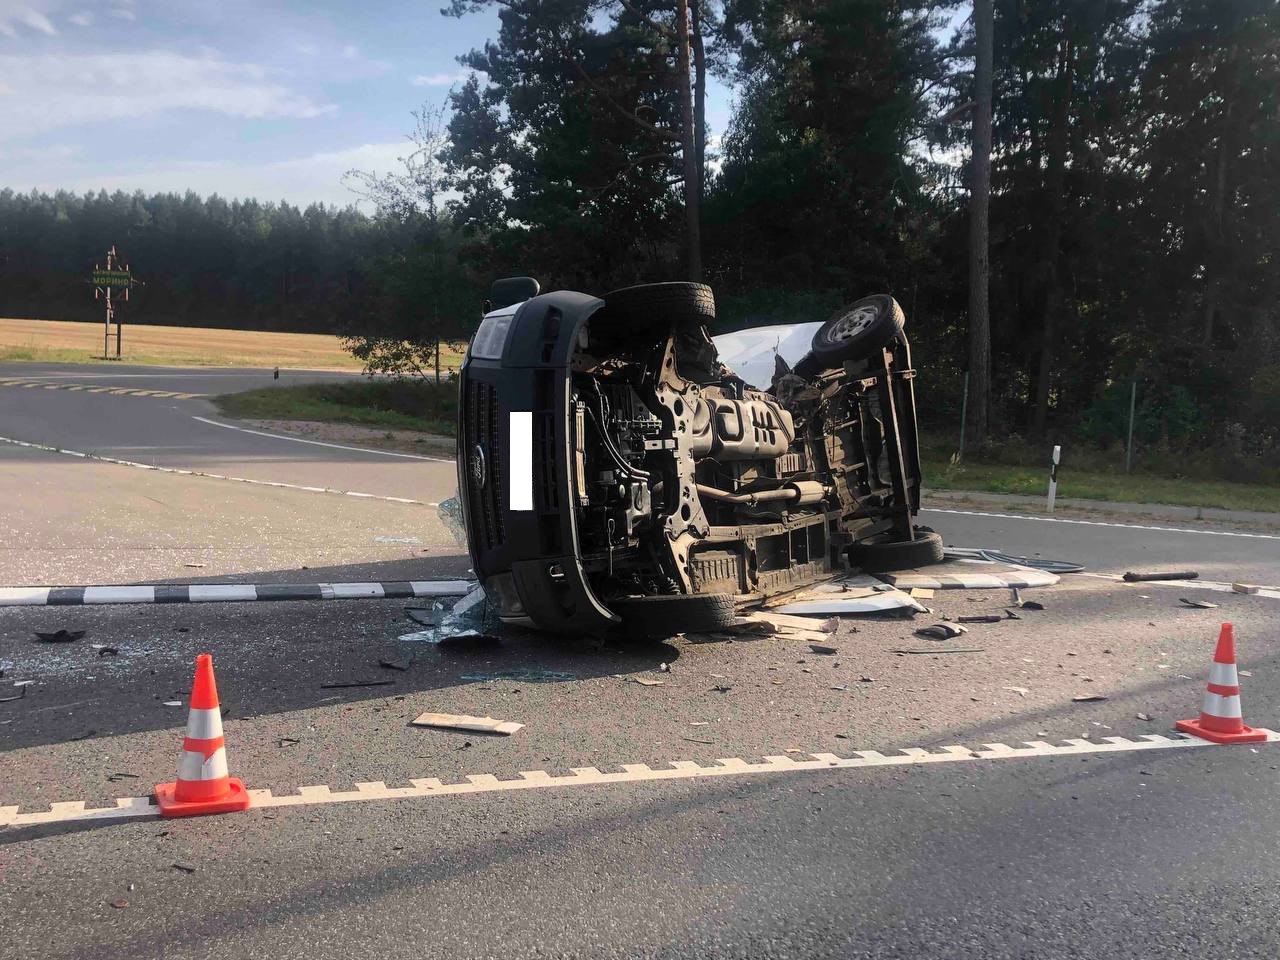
401,405
1134,488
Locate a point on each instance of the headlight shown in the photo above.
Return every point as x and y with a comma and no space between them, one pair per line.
491,337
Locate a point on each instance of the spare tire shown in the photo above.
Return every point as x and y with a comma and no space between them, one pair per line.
653,307
881,556
859,330
665,615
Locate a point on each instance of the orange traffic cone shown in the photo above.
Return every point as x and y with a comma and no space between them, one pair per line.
203,785
1220,718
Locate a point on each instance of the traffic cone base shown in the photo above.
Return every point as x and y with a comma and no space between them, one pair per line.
1245,735
236,799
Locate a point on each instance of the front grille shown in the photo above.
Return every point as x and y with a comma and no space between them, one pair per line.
482,429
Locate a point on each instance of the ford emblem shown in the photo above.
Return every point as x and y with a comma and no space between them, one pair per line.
479,466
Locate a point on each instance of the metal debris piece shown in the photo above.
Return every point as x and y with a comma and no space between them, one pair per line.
1142,716
183,867
823,651
119,904
983,618
342,684
454,721
696,740
1132,577
173,703
941,631
1198,604
901,652
1088,697
59,636
117,777
108,652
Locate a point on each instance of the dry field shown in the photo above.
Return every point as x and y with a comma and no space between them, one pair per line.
60,341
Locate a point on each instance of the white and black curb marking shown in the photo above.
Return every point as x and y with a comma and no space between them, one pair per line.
230,592
212,476
143,808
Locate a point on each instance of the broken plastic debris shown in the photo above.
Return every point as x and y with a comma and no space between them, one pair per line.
523,676
1088,697
59,636
173,703
941,631
824,651
455,721
644,681
1198,604
1142,716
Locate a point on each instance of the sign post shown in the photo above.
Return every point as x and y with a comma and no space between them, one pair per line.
105,280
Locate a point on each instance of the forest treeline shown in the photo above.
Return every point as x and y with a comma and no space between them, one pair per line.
1134,206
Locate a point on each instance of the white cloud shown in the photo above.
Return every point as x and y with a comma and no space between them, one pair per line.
299,180
122,10
46,92
31,14
438,79
82,19
350,52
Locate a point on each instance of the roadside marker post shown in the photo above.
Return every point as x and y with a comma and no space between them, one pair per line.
1053,476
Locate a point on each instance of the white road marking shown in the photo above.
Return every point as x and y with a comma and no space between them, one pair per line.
1217,585
1102,523
141,807
212,476
318,443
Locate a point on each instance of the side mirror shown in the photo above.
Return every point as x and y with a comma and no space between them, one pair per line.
511,290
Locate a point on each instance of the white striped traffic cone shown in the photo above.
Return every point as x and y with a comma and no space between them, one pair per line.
203,785
1220,718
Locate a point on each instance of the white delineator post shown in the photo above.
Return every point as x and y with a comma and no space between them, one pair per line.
1053,476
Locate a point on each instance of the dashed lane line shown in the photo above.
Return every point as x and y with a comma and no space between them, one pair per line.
94,388
1102,523
320,443
212,476
127,808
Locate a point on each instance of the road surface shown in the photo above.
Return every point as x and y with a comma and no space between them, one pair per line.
1124,848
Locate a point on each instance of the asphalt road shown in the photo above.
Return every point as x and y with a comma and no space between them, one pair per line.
1160,853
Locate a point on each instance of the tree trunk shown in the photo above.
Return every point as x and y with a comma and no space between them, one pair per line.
699,95
979,251
1055,178
1214,248
688,148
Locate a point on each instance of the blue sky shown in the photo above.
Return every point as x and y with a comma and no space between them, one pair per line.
242,99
